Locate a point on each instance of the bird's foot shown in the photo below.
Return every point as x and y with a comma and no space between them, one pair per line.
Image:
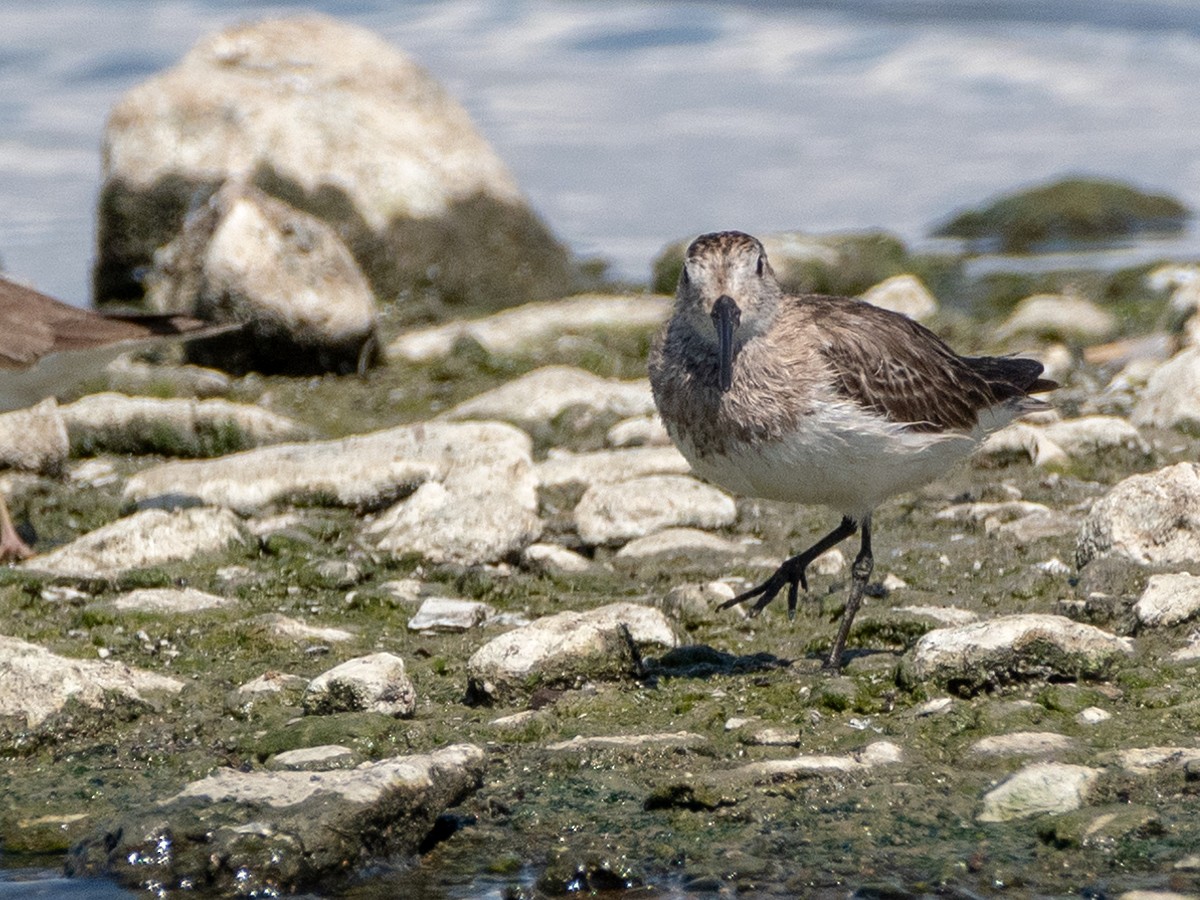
790,574
12,548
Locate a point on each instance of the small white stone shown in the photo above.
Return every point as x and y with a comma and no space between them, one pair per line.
1093,715
831,562
555,559
893,582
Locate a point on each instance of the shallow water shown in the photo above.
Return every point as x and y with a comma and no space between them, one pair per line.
631,124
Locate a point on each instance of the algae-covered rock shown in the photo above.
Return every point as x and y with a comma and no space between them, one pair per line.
567,649
273,833
971,657
1038,789
378,683
1072,209
343,126
1151,519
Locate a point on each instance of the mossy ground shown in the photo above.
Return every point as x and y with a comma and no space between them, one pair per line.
557,822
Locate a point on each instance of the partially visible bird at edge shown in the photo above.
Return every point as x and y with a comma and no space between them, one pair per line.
818,400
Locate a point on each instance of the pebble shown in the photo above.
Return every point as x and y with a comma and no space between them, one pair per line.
445,614
1093,715
554,559
170,600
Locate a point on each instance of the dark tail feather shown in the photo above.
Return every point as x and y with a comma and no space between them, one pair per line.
1011,375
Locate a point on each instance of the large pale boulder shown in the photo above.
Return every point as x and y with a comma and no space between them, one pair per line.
1171,398
1038,789
1061,316
34,439
337,122
1152,519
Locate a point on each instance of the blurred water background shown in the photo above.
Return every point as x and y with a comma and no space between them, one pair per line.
630,124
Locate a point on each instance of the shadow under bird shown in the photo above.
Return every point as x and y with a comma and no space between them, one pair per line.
818,400
48,347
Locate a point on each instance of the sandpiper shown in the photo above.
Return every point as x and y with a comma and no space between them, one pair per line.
47,347
818,400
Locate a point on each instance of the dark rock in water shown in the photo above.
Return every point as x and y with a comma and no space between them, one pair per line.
1073,209
271,833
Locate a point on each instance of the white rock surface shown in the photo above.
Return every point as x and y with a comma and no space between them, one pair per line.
533,325
567,648
562,467
1022,743
904,294
449,614
289,629
1010,648
1058,315
151,537
688,543
34,439
127,375
1037,789
1147,760
554,559
536,398
630,741
613,513
1088,435
35,683
1093,715
170,600
282,273
378,683
109,420
1168,599
639,431
326,756
1152,519
879,753
1171,398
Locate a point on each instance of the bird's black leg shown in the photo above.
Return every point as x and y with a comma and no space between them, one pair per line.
791,572
860,572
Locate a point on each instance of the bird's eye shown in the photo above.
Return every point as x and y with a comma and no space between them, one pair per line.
761,262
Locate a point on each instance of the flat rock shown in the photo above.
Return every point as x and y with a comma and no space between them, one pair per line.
1168,599
127,375
554,559
1171,397
35,683
562,467
34,439
1089,435
1039,789
614,513
170,600
567,649
448,614
1151,519
905,294
115,423
944,615
630,741
1147,760
150,537
533,325
533,400
1060,316
378,683
1022,743
879,753
639,431
276,833
680,543
1012,648
309,759
289,629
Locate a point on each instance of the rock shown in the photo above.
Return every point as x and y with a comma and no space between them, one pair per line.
1039,789
880,753
630,741
1011,648
904,294
34,439
127,375
639,431
1089,435
1171,398
281,273
151,537
680,543
269,686
831,562
1022,743
613,513
1151,519
289,629
170,600
562,467
1001,511
1060,316
469,490
1093,715
533,400
695,604
1148,760
275,833
1020,441
534,325
378,683
554,560
336,122
35,683
566,649
115,423
1169,599
450,615
943,615
310,759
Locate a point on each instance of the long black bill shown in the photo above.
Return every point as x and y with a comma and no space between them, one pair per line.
726,317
